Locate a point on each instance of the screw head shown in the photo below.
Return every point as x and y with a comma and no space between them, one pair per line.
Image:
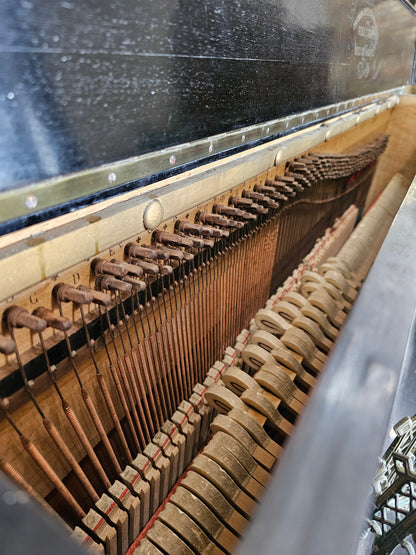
243,138
31,202
172,159
112,177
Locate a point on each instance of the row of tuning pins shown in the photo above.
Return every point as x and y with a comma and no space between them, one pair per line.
155,260
320,166
169,249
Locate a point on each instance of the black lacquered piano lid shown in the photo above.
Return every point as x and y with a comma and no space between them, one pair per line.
85,83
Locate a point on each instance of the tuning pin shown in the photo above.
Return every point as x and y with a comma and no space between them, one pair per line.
233,212
171,239
261,198
146,267
283,188
66,293
188,228
137,285
131,268
134,250
218,219
291,181
53,320
270,192
18,317
239,202
112,283
212,219
301,179
98,297
114,268
214,232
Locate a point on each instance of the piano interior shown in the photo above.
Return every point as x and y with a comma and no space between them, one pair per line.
160,345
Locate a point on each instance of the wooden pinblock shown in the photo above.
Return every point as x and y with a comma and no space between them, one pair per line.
151,476
199,486
132,504
216,474
205,518
186,528
161,463
119,518
177,439
106,533
162,536
171,452
229,426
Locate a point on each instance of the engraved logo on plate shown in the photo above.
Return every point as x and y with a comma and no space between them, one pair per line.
365,41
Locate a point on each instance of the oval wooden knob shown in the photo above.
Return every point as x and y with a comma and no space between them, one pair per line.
223,399
287,310
66,293
254,356
270,321
265,340
238,381
296,299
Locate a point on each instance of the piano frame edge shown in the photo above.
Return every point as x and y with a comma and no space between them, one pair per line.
318,499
